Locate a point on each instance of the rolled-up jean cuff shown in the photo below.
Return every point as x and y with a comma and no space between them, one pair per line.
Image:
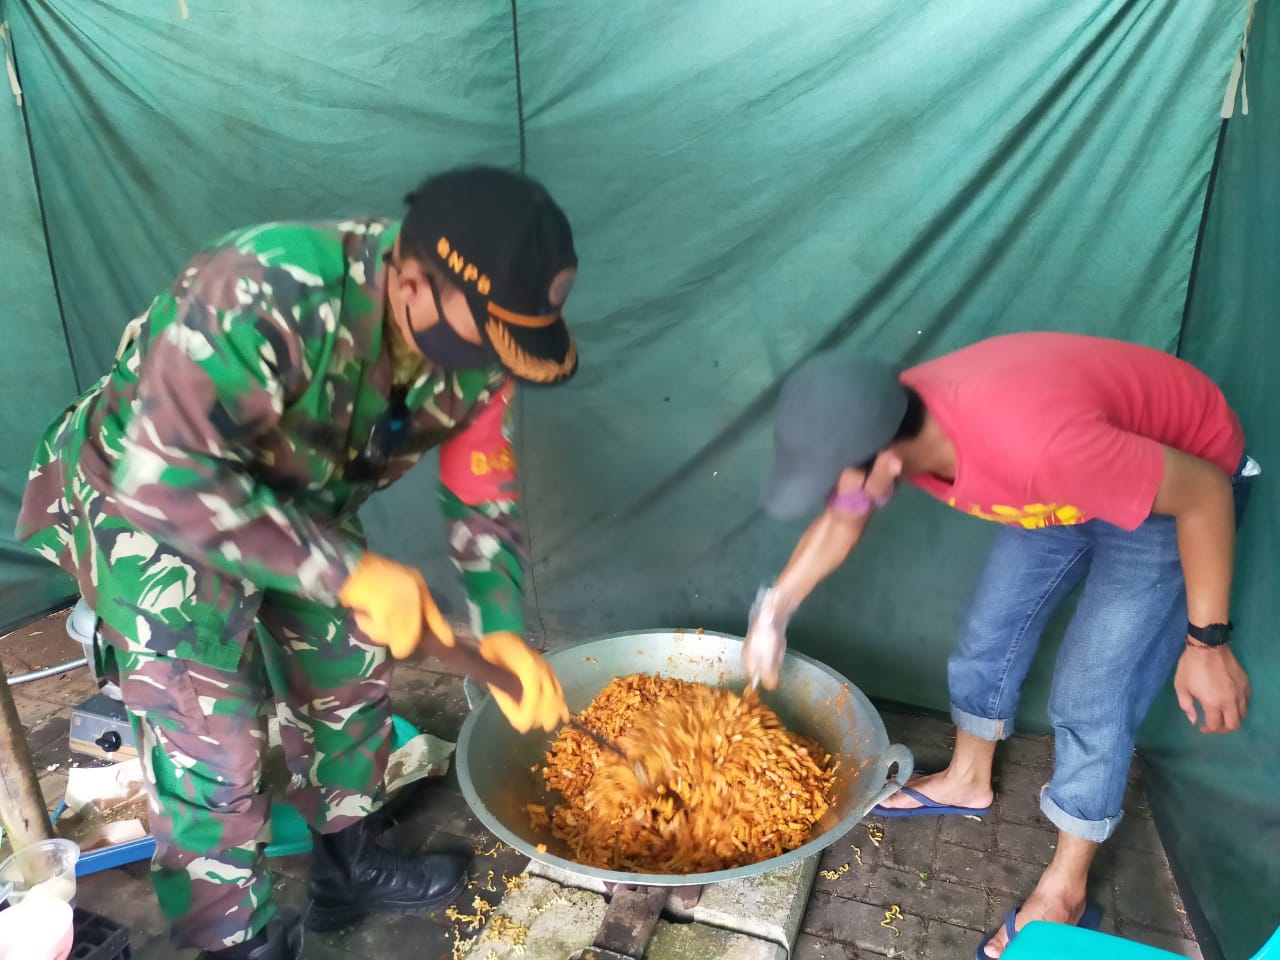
1095,830
984,728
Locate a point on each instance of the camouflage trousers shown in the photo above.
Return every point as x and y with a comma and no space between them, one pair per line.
202,740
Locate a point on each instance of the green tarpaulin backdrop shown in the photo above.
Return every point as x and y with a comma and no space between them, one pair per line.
748,183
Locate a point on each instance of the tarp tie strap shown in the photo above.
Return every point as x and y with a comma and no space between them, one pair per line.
1239,79
9,66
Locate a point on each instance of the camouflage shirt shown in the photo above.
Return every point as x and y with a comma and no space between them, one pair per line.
237,425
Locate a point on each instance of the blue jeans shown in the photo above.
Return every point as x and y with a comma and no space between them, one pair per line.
1122,645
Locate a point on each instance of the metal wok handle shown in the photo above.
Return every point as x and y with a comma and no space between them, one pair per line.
467,659
906,762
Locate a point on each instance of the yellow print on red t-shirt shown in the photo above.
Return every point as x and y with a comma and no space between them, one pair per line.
1032,516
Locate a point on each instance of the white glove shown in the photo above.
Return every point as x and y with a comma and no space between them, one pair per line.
766,639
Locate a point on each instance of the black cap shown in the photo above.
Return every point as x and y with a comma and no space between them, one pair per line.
835,411
508,246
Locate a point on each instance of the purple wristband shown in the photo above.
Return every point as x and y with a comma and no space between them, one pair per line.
856,502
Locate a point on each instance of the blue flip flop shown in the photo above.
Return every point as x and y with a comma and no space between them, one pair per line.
928,808
1089,920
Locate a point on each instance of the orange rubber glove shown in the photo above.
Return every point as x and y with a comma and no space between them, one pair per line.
542,703
391,603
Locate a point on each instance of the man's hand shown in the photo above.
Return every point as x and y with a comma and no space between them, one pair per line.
391,602
542,701
1212,676
766,639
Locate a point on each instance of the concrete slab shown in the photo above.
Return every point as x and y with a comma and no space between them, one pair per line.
768,906
539,920
697,941
545,920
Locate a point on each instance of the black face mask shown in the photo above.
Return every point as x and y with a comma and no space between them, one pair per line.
442,345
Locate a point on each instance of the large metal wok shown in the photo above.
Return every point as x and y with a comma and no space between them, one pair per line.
494,762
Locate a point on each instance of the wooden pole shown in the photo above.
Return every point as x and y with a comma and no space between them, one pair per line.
26,820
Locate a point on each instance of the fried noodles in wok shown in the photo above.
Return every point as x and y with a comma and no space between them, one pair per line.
725,785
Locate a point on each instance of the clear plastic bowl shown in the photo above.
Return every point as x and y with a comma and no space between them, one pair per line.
44,869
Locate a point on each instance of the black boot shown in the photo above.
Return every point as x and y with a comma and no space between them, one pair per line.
352,874
280,939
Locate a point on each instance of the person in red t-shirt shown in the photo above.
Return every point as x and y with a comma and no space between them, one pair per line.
1107,464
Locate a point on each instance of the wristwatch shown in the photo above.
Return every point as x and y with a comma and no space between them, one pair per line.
1213,635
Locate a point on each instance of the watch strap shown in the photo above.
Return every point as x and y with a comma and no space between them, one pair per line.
1211,635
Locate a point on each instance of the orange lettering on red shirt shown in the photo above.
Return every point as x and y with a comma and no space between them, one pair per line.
478,465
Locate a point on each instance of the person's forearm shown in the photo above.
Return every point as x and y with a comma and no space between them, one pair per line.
1206,545
825,545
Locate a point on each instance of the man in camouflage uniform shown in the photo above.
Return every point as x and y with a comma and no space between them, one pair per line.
204,495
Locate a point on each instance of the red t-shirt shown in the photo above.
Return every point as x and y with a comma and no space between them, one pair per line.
1060,428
